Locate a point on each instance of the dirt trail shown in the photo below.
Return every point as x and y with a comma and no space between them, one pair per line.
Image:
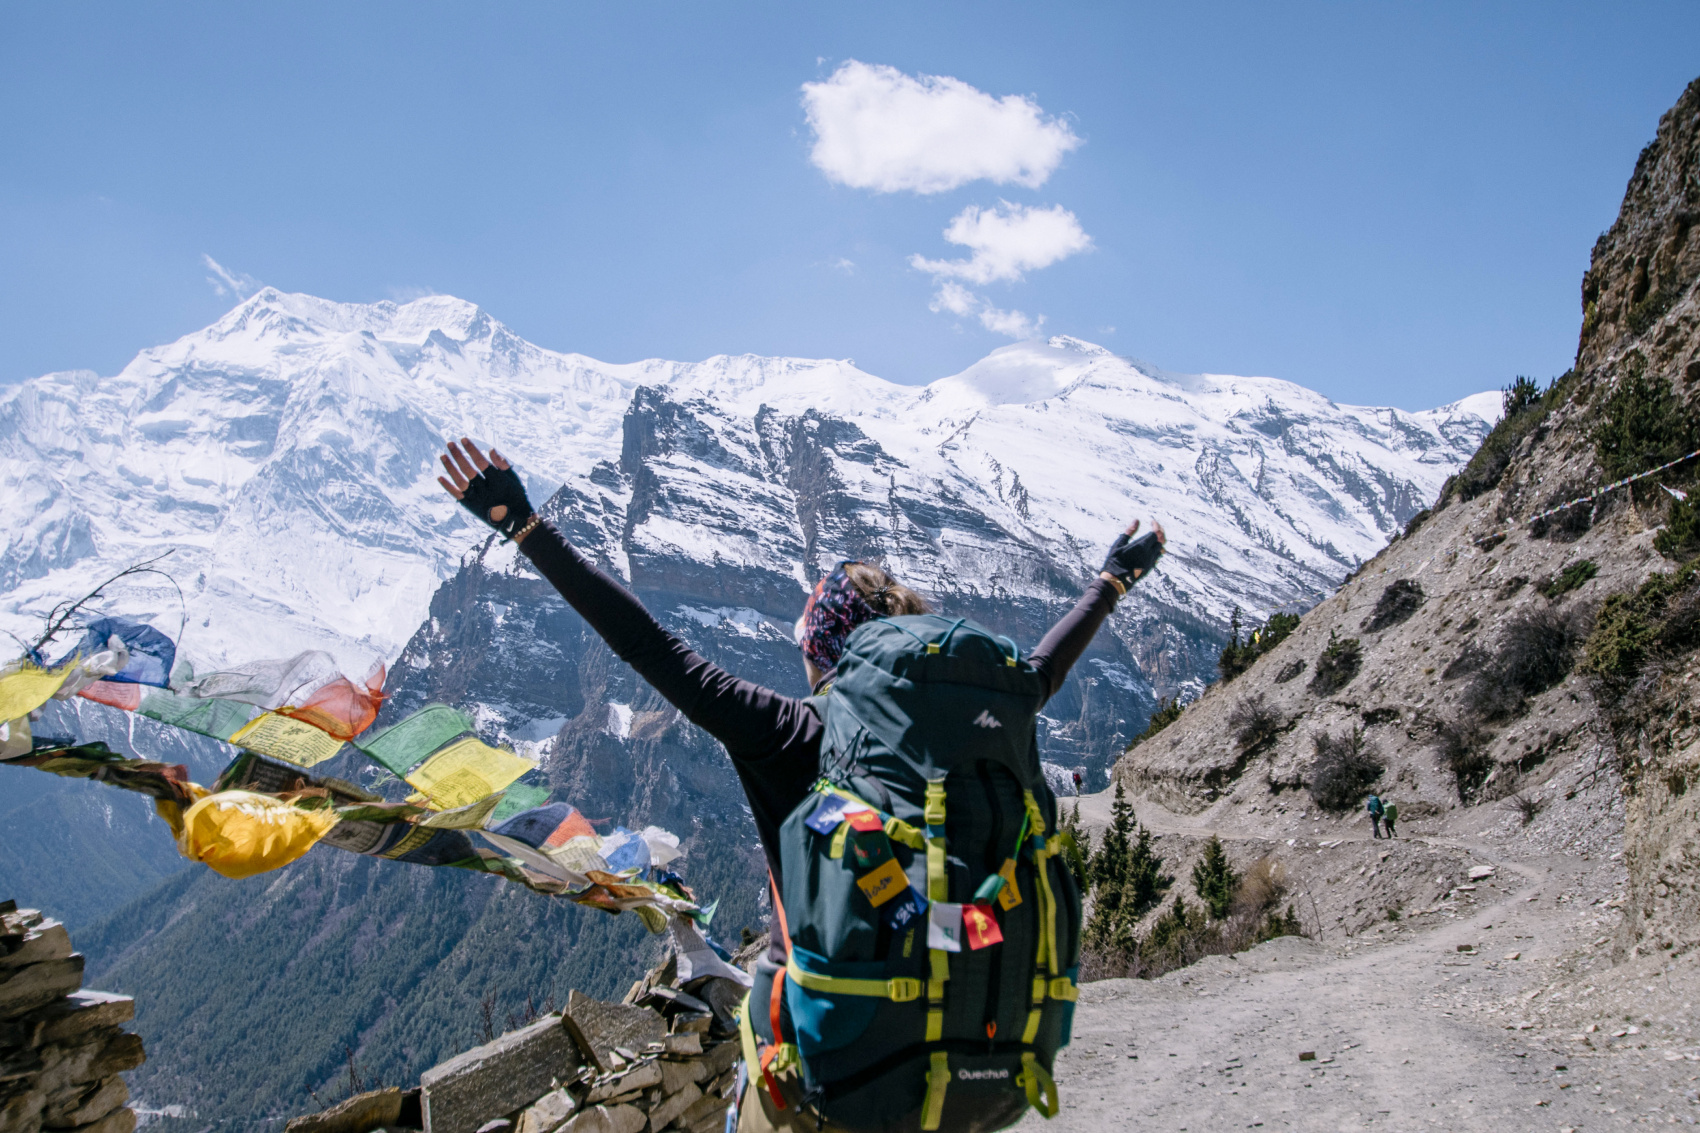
1408,1032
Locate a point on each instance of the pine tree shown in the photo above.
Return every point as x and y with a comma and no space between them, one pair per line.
1169,926
1145,881
1077,848
1214,879
1109,864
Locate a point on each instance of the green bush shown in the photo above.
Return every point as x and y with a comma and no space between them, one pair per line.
1168,711
1642,424
1630,628
1680,540
1238,656
1525,409
1570,578
1339,663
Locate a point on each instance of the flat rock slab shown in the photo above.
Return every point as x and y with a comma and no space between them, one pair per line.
359,1114
36,985
460,1095
599,1027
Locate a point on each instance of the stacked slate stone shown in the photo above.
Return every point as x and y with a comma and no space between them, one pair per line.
61,1048
668,1061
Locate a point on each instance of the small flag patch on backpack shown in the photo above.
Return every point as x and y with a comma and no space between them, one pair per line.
865,821
899,915
944,926
1009,896
885,883
981,926
829,812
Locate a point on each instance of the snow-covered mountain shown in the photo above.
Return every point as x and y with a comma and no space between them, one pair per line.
286,453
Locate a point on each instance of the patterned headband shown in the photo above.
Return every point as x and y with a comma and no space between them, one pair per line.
835,608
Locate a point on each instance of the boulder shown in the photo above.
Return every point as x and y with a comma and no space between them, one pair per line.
460,1095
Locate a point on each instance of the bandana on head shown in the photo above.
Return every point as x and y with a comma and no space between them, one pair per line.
835,608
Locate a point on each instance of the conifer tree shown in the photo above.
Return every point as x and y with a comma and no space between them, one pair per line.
1109,864
1145,880
1214,879
1077,848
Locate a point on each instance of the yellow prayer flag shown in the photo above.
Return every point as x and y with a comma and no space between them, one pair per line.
28,688
240,833
284,738
466,771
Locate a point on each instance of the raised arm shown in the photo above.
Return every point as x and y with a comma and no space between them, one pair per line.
752,721
1129,559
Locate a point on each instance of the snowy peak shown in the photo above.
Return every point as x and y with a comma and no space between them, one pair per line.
287,454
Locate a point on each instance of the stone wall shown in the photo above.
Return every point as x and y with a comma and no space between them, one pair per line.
666,1059
61,1048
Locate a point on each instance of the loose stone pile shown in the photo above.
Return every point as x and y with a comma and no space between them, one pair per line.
61,1048
666,1059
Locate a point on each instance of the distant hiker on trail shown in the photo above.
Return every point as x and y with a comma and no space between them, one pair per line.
1389,815
1375,812
1077,784
944,1037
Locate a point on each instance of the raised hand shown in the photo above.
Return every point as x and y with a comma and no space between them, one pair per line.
488,487
1131,558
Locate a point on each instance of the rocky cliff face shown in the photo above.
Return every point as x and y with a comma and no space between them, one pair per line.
1471,662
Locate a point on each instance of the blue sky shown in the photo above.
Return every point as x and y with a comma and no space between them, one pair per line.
1392,204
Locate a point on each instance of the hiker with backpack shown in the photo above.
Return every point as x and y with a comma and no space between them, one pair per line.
1375,811
1389,816
926,926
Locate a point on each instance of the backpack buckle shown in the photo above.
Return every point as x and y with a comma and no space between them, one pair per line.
902,989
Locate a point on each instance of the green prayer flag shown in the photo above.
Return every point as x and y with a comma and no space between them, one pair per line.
402,746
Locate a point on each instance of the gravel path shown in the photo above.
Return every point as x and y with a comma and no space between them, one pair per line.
1408,1032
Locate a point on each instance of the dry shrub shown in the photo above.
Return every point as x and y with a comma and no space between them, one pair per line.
1343,769
1254,722
1398,602
1536,651
1523,806
1461,747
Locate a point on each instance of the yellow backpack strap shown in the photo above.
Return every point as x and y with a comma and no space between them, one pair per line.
938,889
938,1078
1046,956
1037,1082
899,989
747,1035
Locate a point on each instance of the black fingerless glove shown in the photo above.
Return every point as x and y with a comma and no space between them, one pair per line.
1132,558
494,487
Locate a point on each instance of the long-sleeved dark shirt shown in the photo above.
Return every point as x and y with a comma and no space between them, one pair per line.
773,739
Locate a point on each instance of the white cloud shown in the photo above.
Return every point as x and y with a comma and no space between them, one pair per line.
406,293
1007,241
958,300
877,128
225,282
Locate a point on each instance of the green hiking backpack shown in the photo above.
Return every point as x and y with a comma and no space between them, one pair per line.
931,922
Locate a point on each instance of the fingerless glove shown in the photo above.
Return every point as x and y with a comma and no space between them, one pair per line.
1132,558
493,487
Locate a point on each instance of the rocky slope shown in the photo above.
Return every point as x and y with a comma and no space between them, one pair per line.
1475,679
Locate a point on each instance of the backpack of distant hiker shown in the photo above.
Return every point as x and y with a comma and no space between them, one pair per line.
929,915
1375,805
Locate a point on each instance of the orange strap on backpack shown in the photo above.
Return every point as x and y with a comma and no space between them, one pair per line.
775,1000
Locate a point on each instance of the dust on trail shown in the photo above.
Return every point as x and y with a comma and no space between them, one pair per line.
1408,1032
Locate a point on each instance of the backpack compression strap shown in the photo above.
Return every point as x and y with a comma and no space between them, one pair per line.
938,891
